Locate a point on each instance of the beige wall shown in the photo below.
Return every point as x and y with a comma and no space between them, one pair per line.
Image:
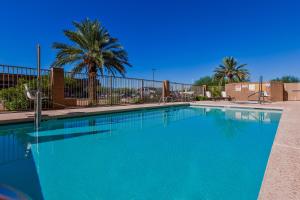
246,91
292,91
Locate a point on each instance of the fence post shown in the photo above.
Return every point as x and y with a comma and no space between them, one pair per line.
142,91
57,87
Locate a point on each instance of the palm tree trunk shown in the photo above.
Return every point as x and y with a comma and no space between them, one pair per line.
92,85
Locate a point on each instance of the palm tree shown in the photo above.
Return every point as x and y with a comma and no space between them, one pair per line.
230,71
92,50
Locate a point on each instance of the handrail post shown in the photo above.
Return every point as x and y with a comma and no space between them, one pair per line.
110,90
38,102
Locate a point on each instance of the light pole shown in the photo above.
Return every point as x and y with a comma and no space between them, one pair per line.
153,71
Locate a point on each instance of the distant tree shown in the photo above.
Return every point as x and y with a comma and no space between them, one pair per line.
94,51
230,71
208,81
288,79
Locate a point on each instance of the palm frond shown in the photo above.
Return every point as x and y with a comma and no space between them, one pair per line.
92,45
230,70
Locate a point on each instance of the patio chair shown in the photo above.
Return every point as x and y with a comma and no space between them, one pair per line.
210,97
208,94
169,98
189,95
266,94
177,96
225,96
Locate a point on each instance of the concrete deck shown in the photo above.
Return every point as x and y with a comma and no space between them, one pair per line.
282,175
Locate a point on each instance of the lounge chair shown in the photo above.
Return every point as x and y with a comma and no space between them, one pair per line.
165,99
210,97
266,94
208,94
225,96
188,95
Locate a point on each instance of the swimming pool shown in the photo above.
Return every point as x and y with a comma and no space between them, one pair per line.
181,152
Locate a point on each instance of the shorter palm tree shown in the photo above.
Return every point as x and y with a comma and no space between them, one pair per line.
230,71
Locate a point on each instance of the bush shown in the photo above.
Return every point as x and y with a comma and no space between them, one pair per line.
14,98
201,98
136,100
215,90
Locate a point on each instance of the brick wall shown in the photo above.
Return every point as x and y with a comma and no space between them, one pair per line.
247,91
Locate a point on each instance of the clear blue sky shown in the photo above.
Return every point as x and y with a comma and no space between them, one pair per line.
183,40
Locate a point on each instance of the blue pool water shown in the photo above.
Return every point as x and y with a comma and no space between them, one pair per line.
170,153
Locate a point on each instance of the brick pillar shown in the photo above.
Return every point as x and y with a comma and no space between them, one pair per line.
57,87
166,88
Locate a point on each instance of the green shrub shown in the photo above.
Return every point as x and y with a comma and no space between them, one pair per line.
201,98
14,98
136,100
215,90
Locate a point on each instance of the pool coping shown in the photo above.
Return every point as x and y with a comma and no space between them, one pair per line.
282,175
25,117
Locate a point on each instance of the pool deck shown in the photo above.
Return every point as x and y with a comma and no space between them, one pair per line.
282,175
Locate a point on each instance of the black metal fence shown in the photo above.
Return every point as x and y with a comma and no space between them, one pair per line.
120,90
101,90
111,90
12,91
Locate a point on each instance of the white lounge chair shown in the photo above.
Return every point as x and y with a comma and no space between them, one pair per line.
208,94
225,96
266,94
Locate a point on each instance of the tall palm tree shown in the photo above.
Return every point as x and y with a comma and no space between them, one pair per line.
92,50
230,71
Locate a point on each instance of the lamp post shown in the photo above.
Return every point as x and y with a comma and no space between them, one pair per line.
153,71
